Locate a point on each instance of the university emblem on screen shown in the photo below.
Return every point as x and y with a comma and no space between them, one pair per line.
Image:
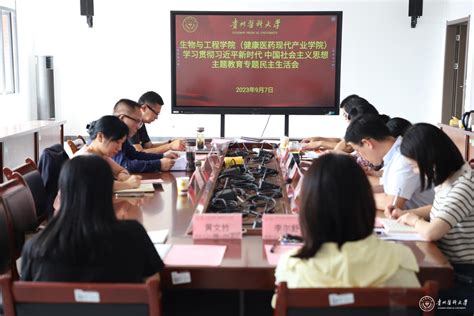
190,24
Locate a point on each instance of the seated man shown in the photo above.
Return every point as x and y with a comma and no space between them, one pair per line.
150,107
129,158
371,138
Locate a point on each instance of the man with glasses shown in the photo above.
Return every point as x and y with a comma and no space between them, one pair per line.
129,158
150,108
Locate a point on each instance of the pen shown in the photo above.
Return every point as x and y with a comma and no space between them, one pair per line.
129,194
395,200
272,249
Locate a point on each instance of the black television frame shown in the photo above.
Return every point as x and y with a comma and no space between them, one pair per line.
334,110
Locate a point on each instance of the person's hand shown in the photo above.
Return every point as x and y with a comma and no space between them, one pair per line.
393,212
166,164
409,219
311,145
171,155
133,181
335,151
125,202
178,145
306,140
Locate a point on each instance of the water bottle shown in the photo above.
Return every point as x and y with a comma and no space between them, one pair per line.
200,138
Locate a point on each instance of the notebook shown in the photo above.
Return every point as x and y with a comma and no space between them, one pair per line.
158,236
392,226
143,188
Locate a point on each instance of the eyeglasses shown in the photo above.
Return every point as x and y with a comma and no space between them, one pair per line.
139,122
151,109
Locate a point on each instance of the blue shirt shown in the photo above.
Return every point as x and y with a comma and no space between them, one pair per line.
137,161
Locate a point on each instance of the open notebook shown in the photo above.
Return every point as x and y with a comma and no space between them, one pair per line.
143,188
392,226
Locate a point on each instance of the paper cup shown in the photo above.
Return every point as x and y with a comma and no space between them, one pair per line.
284,140
182,184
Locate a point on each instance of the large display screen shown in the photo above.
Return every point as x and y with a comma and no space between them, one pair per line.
255,62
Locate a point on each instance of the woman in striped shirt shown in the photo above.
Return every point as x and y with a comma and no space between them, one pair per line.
450,220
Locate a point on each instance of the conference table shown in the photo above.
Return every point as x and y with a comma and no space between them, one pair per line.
244,268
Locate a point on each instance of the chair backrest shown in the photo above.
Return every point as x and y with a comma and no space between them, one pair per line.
28,166
21,298
7,253
20,217
19,205
72,146
356,301
30,174
49,166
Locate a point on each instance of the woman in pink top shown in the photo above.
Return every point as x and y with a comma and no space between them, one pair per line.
108,134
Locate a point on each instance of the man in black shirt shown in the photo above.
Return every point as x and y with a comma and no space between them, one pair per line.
150,106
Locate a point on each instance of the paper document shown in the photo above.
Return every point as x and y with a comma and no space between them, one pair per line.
180,163
195,255
273,252
220,141
162,250
402,236
158,236
311,155
392,226
143,188
152,181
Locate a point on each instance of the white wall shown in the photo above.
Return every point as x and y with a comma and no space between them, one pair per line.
127,52
455,10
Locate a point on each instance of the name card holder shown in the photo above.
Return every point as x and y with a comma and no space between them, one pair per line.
297,184
217,226
284,154
293,171
290,162
193,188
206,169
276,225
296,177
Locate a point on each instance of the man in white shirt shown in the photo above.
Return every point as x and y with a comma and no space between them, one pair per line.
369,136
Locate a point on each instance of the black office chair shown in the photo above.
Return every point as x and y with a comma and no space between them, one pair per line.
356,301
30,174
22,298
49,166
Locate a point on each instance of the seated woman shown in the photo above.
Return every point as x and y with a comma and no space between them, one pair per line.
337,221
85,242
350,106
450,220
108,134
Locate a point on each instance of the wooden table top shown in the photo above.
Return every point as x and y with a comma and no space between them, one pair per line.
24,128
245,265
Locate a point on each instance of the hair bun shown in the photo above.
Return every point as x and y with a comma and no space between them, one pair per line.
90,127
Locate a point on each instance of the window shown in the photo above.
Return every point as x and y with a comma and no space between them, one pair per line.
8,52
